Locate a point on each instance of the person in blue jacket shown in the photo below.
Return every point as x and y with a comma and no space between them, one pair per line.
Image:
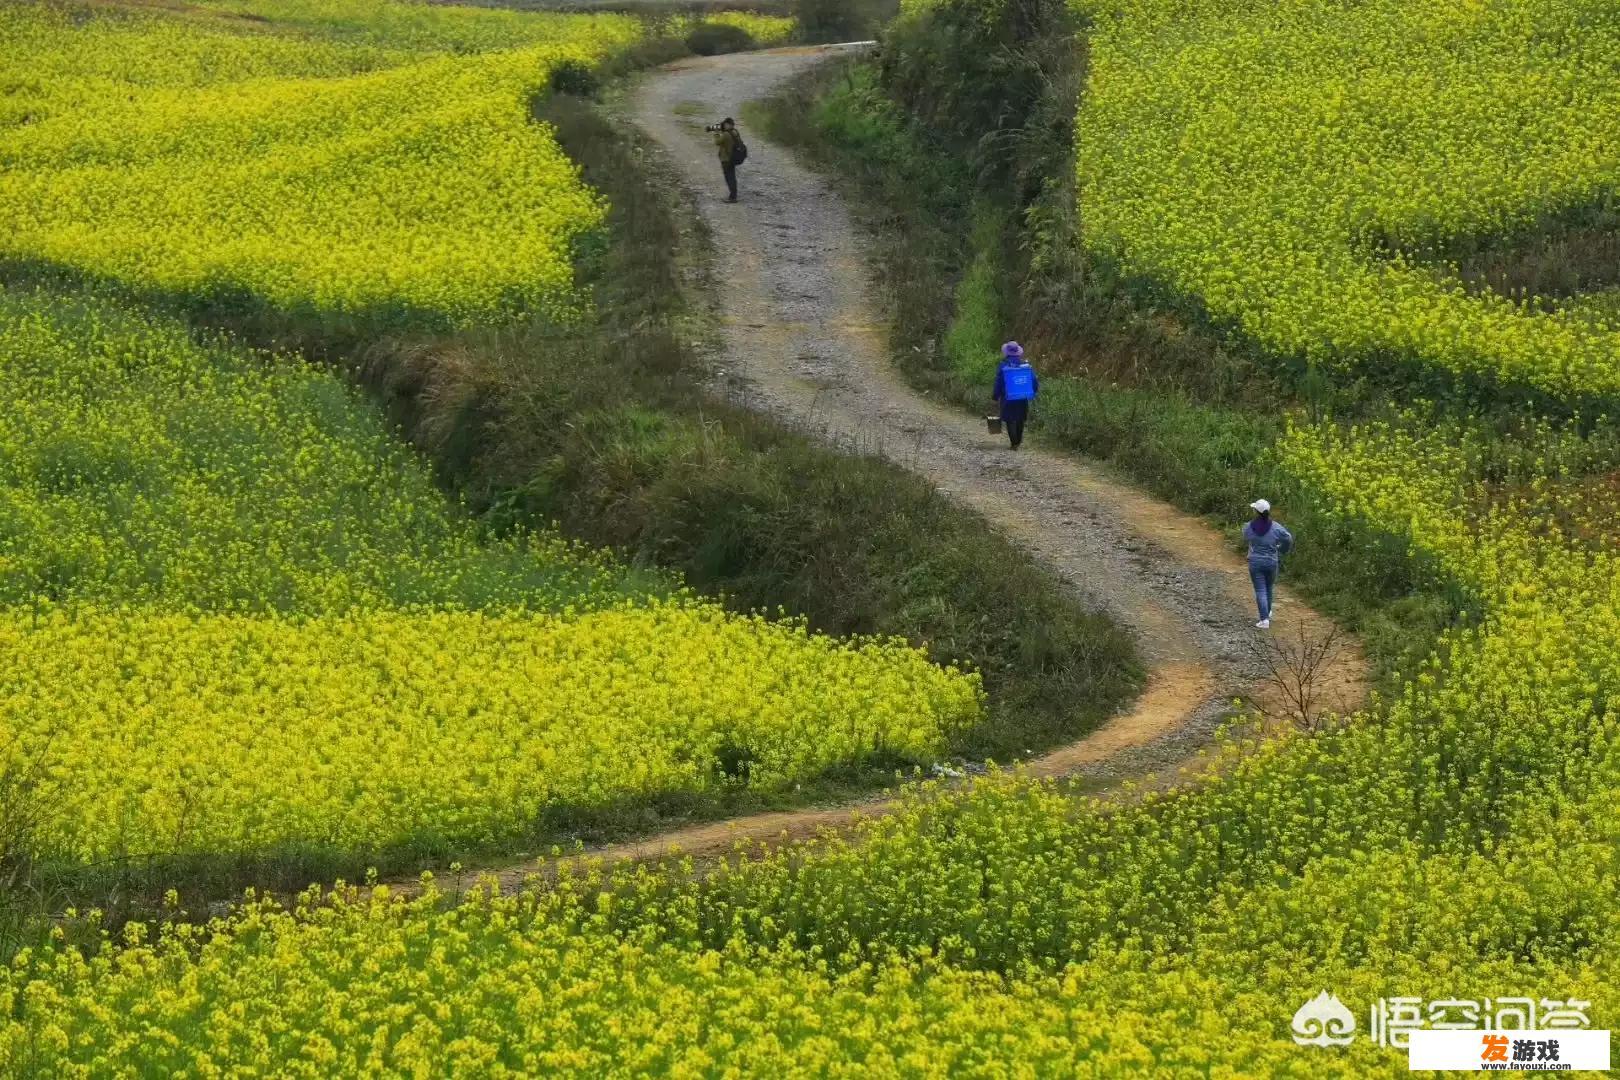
1268,542
1016,386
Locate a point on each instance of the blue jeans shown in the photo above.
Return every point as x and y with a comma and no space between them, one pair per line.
1264,576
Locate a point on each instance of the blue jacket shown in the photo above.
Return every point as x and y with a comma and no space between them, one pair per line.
999,391
1269,549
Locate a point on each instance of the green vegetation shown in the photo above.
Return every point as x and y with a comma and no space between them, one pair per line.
841,20
143,466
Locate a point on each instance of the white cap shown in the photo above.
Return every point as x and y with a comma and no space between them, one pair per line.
1260,506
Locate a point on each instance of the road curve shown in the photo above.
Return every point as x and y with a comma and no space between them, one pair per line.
803,341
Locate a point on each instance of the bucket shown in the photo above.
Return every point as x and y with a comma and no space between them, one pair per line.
994,424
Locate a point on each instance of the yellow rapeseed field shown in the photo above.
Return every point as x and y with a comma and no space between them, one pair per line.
316,155
434,731
1455,842
240,619
328,175
1254,157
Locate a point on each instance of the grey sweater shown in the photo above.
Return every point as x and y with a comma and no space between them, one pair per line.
1269,549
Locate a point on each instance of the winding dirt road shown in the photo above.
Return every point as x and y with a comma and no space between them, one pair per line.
803,341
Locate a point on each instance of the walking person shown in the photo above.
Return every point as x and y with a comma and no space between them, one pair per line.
1268,542
728,142
1015,387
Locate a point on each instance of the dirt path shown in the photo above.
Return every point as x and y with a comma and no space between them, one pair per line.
802,341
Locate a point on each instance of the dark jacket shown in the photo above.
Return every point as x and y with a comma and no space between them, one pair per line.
726,143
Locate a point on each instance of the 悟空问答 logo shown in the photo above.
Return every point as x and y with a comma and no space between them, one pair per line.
1324,1021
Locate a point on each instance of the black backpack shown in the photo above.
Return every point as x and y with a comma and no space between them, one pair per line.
739,150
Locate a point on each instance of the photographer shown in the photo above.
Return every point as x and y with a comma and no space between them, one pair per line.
729,143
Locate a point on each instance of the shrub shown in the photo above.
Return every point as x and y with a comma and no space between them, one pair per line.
712,39
572,77
841,20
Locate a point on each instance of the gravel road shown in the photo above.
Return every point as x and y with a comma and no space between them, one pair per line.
803,341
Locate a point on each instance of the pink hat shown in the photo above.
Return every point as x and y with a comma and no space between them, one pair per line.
1012,348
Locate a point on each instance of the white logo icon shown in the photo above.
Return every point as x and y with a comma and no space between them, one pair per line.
1324,1021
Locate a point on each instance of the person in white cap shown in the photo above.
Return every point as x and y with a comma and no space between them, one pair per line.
1268,542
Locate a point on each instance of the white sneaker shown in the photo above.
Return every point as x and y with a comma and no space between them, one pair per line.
1263,624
